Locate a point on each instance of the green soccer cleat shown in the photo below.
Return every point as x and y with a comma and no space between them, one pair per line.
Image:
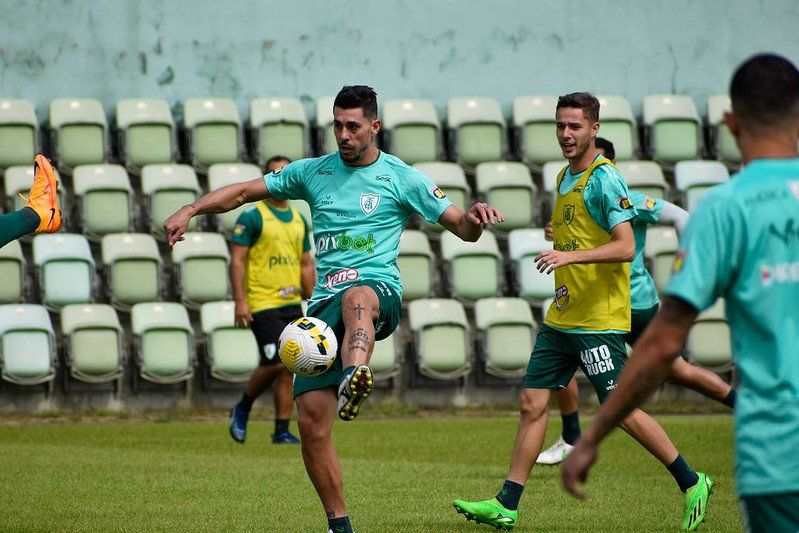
489,512
696,499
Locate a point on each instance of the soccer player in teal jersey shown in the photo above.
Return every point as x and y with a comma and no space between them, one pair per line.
360,201
742,244
644,303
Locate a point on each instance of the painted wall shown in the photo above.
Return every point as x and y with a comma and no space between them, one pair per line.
176,49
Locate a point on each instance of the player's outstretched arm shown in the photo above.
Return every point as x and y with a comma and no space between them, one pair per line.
620,249
468,225
220,200
644,371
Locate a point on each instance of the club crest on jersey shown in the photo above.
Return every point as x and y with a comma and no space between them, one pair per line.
369,202
562,297
568,213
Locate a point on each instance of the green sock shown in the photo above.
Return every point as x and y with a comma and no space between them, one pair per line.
15,225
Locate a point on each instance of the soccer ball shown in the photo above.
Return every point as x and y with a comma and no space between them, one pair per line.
307,346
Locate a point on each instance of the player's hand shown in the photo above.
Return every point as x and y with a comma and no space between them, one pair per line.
481,213
549,232
177,224
243,315
575,468
549,260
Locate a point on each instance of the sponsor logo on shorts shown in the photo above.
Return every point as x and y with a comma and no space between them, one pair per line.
270,350
379,326
611,384
781,273
597,360
438,193
562,297
342,276
369,202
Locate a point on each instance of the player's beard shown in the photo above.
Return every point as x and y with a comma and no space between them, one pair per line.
356,157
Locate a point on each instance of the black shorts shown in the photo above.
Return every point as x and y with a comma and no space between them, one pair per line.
639,320
268,325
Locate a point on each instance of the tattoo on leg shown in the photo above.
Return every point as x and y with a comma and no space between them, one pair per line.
359,309
331,514
359,340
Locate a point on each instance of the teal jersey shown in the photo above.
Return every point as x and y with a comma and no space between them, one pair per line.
249,225
643,293
742,244
358,215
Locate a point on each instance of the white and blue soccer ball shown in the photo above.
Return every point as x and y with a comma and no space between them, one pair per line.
307,346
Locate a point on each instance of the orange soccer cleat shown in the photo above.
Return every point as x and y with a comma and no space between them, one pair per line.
43,197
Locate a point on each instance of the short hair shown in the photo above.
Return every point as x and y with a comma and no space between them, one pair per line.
276,158
765,90
585,101
357,96
606,146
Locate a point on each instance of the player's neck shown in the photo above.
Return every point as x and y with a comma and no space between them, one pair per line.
580,163
368,157
280,204
761,145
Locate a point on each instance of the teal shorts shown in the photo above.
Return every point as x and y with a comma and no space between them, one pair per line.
329,310
775,513
557,355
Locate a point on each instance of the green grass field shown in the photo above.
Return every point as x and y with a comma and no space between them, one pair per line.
400,475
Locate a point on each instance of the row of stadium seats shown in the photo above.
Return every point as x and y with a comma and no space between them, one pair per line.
476,131
445,345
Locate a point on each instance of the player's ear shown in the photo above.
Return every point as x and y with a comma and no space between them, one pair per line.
732,123
376,125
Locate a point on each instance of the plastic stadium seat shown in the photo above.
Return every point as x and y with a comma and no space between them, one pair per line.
231,352
441,338
549,174
694,178
27,344
477,130
709,342
133,269
722,141
450,178
661,246
618,125
12,272
523,246
534,121
506,332
19,179
146,132
213,127
65,268
386,358
79,131
412,130
201,268
305,210
167,188
280,127
474,269
104,199
509,187
19,131
163,342
646,177
94,339
325,138
417,265
223,174
673,127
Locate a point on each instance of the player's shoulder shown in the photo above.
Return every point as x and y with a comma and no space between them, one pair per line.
311,165
608,171
398,166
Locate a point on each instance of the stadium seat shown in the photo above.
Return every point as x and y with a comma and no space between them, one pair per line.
65,268
167,188
477,130
672,124
19,179
387,357
305,210
279,127
325,138
618,125
450,178
441,338
27,345
661,246
146,132
80,132
163,342
508,186
709,342
94,341
411,130
417,265
133,270
530,284
694,178
223,174
13,270
506,331
721,140
213,130
473,269
201,268
104,199
19,133
534,123
231,352
645,177
549,174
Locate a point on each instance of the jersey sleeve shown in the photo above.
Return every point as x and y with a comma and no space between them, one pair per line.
648,208
306,242
421,195
248,228
607,198
287,183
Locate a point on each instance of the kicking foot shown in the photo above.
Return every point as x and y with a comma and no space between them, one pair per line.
353,391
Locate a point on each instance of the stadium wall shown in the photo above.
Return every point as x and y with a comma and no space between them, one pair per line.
309,48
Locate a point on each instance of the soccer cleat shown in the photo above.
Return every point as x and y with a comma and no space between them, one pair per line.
43,197
284,438
238,424
555,454
489,512
353,391
695,503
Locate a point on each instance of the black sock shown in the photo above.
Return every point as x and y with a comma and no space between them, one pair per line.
246,402
281,426
683,474
729,401
510,494
571,427
340,524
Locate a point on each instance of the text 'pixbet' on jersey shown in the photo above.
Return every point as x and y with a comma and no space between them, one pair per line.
342,241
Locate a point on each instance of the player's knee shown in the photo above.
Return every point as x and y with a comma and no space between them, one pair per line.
532,405
312,425
357,305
